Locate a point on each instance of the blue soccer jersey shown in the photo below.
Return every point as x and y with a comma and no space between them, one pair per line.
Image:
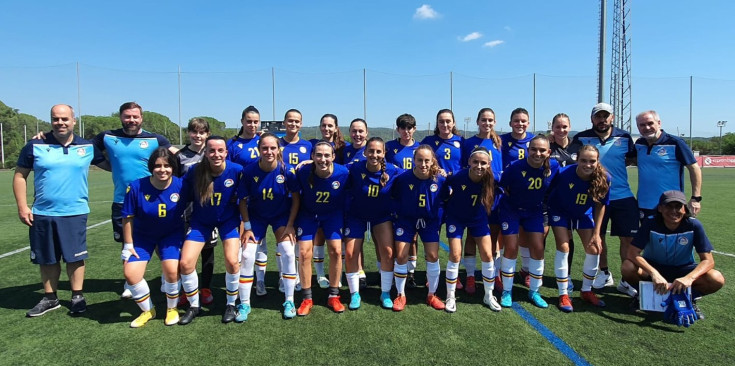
368,199
526,186
613,152
661,167
295,152
222,204
465,201
268,193
448,152
672,247
418,198
323,195
339,158
569,194
401,156
353,154
496,156
128,156
60,174
156,213
243,151
514,149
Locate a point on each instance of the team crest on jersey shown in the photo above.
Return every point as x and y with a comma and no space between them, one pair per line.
229,183
464,187
335,185
174,197
555,218
452,228
683,240
523,173
571,185
410,187
505,226
661,152
256,178
347,231
81,151
147,197
434,187
456,144
618,142
280,179
302,150
399,231
144,144
574,156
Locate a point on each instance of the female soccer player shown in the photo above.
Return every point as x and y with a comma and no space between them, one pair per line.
358,133
487,138
189,155
524,184
471,197
418,196
577,201
212,186
400,152
446,142
323,195
371,181
152,223
243,147
265,199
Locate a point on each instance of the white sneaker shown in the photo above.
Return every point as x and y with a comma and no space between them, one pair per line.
603,280
323,282
126,294
491,302
260,288
450,305
627,289
281,287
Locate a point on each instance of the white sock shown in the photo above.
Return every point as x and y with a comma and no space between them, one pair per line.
561,271
536,271
488,277
525,256
386,280
411,264
231,286
319,260
498,262
470,264
508,271
433,269
451,278
353,281
288,265
142,295
589,270
261,261
172,293
245,285
400,271
190,284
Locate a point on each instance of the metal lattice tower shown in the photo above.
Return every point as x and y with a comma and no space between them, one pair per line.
620,87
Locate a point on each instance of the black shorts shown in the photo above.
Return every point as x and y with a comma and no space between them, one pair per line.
54,237
623,214
117,222
671,273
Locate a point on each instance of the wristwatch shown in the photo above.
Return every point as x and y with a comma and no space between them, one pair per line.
697,198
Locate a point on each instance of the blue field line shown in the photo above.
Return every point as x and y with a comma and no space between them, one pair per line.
555,341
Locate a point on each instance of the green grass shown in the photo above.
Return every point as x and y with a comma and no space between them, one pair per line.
371,335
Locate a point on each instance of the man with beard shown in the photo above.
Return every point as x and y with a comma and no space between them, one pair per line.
616,152
661,161
127,150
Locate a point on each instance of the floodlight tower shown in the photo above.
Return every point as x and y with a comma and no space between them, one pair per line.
620,86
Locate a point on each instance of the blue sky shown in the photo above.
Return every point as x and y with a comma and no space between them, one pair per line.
318,53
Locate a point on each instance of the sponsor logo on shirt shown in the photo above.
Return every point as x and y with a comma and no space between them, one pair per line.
683,240
81,151
229,183
456,144
302,150
335,185
280,178
174,197
144,144
434,187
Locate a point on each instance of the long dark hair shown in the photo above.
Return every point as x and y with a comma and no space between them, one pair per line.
383,176
248,109
487,181
493,135
455,131
170,158
338,140
312,174
599,185
203,175
547,162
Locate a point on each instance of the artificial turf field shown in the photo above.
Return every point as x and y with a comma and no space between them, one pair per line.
419,335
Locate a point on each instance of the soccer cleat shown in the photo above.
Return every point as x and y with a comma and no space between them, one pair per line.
491,302
506,299
43,307
411,281
305,307
289,310
126,294
565,304
229,314
143,318
697,310
627,289
323,282
385,300
603,280
260,288
355,301
191,313
172,316
363,283
206,296
591,297
537,300
471,286
450,305
243,310
334,303
399,303
78,304
526,277
435,302
183,301
281,286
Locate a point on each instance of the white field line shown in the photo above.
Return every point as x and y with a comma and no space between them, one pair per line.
8,254
723,253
